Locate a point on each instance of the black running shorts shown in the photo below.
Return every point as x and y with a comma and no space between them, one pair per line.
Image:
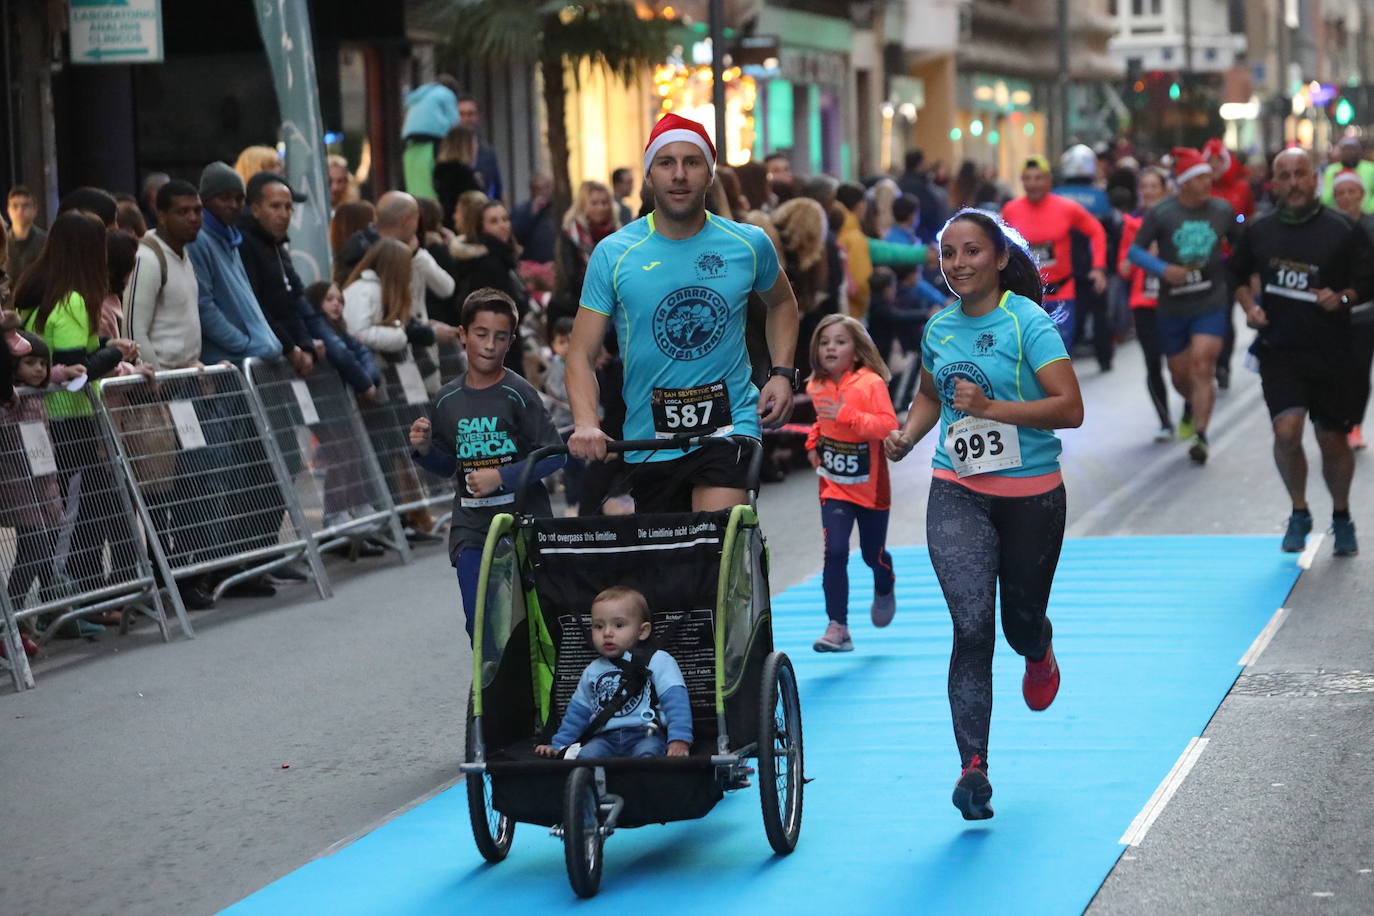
666,486
1321,383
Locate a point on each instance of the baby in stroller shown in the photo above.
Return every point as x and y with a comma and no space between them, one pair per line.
632,701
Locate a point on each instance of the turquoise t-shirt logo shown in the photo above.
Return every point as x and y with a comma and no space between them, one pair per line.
690,322
1194,240
947,375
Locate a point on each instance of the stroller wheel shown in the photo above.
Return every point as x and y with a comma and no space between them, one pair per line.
491,830
582,838
780,769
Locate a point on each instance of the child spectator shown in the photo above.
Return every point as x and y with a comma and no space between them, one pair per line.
344,489
556,394
487,422
854,414
31,503
627,698
355,363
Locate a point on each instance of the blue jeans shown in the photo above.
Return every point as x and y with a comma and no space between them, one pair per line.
635,741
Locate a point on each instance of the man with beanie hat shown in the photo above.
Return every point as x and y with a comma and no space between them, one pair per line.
1194,307
232,325
675,283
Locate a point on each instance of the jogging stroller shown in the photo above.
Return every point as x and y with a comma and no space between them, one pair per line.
705,576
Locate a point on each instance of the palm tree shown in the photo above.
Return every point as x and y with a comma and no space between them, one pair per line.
612,34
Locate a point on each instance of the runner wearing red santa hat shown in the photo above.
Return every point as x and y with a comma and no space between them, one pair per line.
675,283
1190,228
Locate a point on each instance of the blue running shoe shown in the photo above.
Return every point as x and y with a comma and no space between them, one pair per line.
1299,527
1344,531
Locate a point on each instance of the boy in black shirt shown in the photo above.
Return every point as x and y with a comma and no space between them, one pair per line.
481,427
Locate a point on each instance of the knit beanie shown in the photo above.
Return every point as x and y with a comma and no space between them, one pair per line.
218,178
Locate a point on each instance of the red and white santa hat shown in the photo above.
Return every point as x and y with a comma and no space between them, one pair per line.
1347,175
1216,147
1189,163
673,128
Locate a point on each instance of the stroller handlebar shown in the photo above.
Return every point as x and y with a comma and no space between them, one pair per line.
617,446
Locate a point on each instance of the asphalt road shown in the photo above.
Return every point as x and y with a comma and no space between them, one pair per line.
175,779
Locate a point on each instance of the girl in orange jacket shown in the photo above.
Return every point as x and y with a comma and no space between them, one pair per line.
854,414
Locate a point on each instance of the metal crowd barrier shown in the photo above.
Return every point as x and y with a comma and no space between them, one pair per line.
72,542
404,398
453,362
208,475
337,480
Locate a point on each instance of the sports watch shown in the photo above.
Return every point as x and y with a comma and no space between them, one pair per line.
793,375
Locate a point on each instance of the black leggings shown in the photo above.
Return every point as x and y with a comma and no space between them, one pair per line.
1147,332
977,543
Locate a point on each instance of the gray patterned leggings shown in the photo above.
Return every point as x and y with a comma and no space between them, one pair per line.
978,543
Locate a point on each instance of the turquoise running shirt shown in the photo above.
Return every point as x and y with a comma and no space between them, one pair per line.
1000,352
679,312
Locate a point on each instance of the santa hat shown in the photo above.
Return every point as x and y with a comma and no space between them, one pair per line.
1215,147
1189,163
673,128
1347,175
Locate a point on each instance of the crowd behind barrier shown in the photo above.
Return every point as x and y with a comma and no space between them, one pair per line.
109,496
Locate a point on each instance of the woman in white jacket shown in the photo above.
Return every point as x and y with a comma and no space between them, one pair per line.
377,311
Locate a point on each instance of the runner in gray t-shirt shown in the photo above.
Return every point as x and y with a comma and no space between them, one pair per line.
1191,229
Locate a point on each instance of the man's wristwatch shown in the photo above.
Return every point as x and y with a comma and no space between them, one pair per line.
1345,300
791,374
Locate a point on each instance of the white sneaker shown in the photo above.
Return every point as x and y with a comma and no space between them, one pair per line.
836,639
1165,434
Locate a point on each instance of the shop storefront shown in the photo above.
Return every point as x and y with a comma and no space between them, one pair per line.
1000,123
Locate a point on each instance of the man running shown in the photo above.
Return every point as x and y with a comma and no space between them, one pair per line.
1194,303
1310,264
1046,220
675,283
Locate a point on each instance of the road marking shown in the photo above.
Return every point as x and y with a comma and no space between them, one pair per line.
1135,834
1126,500
1261,642
1309,552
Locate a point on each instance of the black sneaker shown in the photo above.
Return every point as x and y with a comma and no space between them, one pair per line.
416,536
1198,450
195,597
285,574
256,587
973,791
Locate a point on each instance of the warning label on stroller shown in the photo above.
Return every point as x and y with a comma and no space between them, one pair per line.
688,636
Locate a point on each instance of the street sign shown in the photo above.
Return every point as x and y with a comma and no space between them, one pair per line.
115,31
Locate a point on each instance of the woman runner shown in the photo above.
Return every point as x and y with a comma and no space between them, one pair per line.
997,378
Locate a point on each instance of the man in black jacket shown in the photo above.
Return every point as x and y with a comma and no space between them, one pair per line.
267,261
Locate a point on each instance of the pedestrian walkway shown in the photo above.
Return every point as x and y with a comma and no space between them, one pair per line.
1149,632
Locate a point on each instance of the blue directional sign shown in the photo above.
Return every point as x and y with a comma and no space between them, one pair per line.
115,31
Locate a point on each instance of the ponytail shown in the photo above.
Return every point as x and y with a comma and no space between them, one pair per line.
1021,275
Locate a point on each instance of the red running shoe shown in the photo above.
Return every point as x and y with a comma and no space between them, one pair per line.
973,791
1041,681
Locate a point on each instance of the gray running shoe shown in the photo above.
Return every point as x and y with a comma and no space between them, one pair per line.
1299,527
883,609
836,639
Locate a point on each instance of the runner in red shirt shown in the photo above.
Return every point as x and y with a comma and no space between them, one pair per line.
1154,187
1045,221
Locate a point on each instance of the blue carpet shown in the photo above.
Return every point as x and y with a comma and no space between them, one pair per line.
1147,631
